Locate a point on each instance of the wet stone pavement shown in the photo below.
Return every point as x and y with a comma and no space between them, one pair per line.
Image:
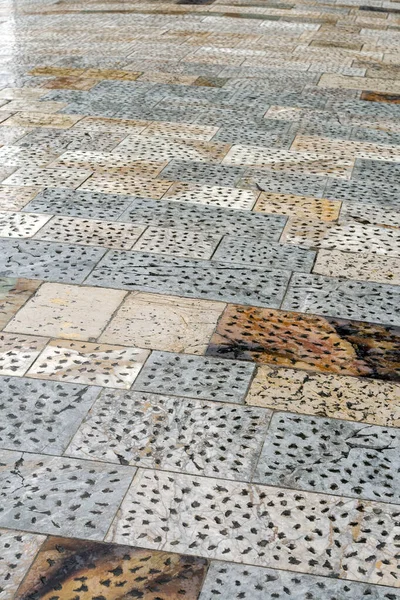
199,300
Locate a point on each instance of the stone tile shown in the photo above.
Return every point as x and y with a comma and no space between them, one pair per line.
41,416
177,242
271,255
316,343
301,207
110,163
195,377
378,170
283,183
364,301
326,395
180,130
90,232
13,295
88,363
204,218
70,83
14,198
17,550
67,311
104,124
60,495
109,569
148,147
202,174
362,267
163,323
190,278
79,203
211,196
359,83
36,176
6,172
230,581
360,212
18,156
21,225
60,140
358,149
174,506
114,183
377,194
46,260
333,456
37,119
18,352
165,432
10,135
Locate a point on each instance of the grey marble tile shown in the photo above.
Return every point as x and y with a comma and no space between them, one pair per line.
41,416
376,170
333,456
59,201
195,377
199,218
62,496
206,174
190,278
376,193
241,250
266,526
256,136
167,432
229,581
17,551
47,260
362,301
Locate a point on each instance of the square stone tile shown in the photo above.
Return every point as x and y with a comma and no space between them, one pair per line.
178,511
178,242
90,232
362,267
211,196
20,224
15,198
79,203
271,255
326,395
93,364
195,377
46,260
13,295
114,183
190,278
18,352
41,416
301,207
328,455
315,343
364,301
60,495
67,311
230,581
108,569
165,432
17,552
60,177
163,323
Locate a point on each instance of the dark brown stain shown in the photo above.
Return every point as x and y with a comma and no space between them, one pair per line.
378,97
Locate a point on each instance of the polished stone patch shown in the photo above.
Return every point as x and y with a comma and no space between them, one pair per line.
195,377
60,495
170,433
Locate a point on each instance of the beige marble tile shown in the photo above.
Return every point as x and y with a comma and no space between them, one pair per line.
67,311
13,295
93,364
18,352
14,198
37,119
359,83
110,183
316,144
302,207
362,267
33,106
164,323
21,224
101,124
55,177
180,130
10,93
326,395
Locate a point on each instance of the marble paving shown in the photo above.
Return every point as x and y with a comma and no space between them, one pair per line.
199,300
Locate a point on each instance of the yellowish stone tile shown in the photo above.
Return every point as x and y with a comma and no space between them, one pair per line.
22,93
361,267
70,83
359,83
337,148
57,71
109,162
14,198
14,293
37,119
26,105
168,78
351,398
113,183
100,74
302,207
180,130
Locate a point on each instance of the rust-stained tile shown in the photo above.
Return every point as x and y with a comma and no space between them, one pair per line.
380,97
302,207
70,83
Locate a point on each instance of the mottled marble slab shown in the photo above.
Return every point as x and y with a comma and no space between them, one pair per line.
195,377
361,267
190,278
103,570
89,363
18,352
326,395
60,495
319,454
13,295
378,170
17,552
260,525
316,343
41,416
230,581
47,260
163,322
364,301
169,433
20,224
